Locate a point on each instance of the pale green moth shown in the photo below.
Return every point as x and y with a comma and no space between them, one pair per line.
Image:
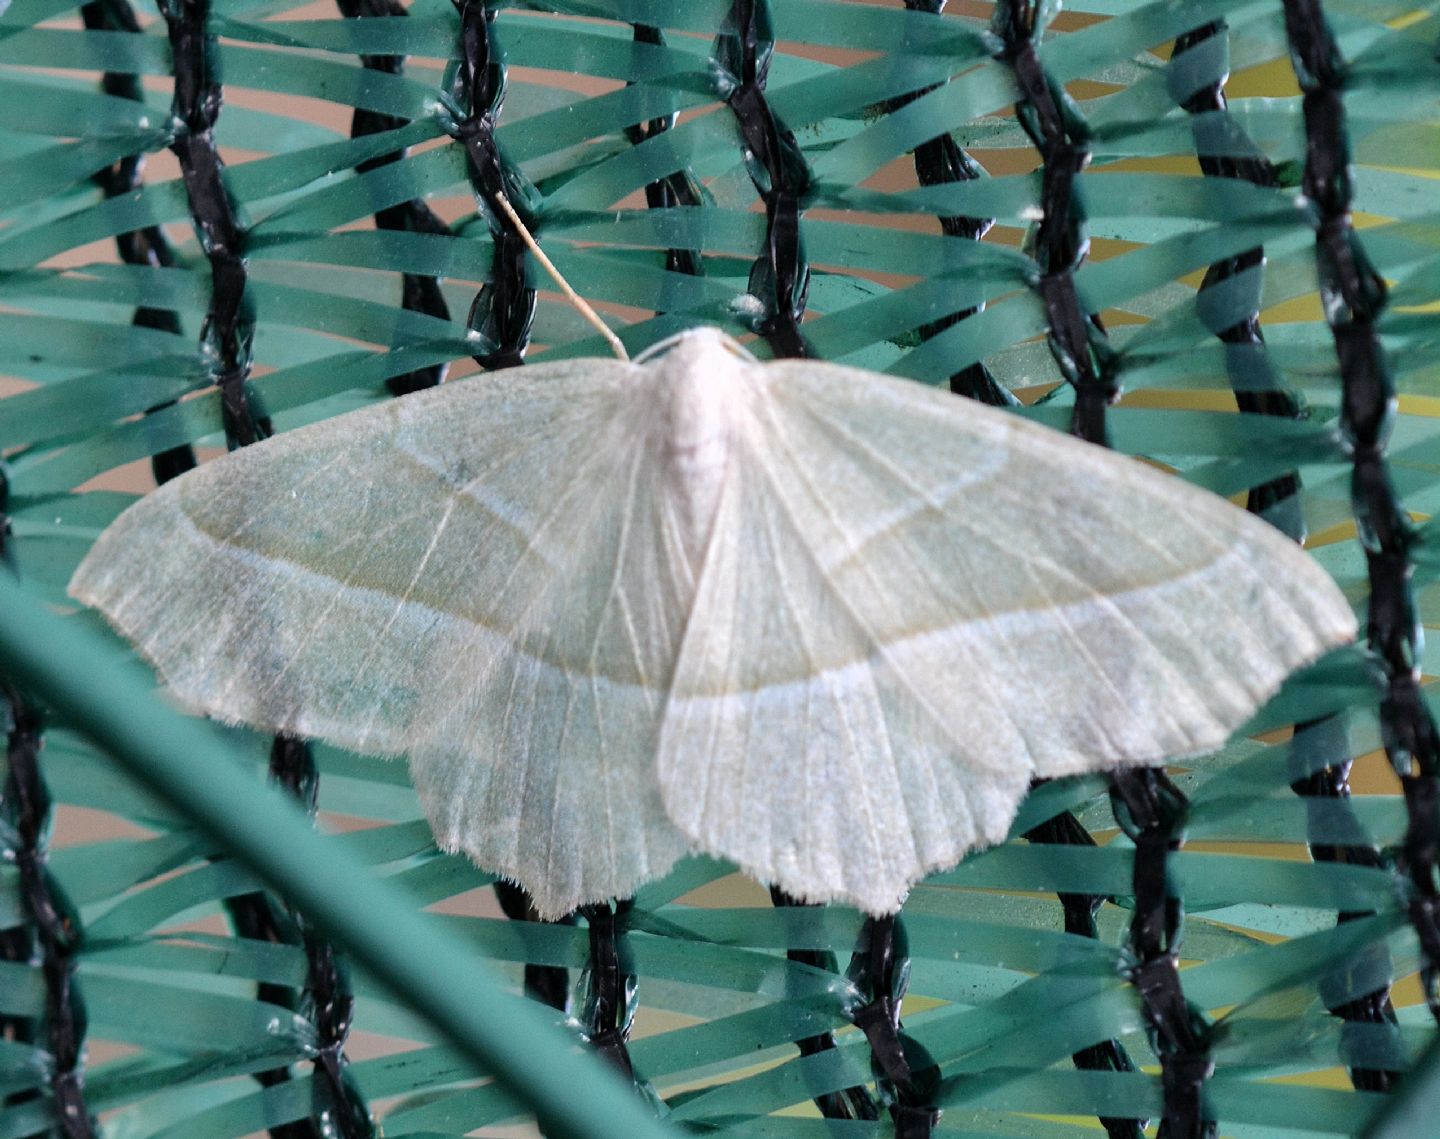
822,622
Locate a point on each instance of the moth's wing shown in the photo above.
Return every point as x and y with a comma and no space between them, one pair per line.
912,604
419,577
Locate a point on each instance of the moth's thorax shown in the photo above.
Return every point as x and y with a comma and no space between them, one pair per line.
702,391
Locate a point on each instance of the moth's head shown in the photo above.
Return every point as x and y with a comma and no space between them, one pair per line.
701,378
697,343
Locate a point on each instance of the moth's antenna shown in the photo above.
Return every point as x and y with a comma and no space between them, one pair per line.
571,295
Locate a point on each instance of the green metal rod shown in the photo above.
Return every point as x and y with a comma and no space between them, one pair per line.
89,683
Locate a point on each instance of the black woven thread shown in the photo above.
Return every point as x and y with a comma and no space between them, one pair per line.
17,942
1330,783
852,1103
225,338
941,162
780,280
226,345
51,937
906,1076
1259,390
501,315
676,189
1065,829
338,1111
1353,296
606,1006
51,934
1257,385
418,293
548,984
1077,338
1151,811
257,917
7,552
504,308
1149,807
148,245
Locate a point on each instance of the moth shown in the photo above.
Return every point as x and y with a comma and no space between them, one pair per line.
822,622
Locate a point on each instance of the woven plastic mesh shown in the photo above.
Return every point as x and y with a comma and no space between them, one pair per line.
220,220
